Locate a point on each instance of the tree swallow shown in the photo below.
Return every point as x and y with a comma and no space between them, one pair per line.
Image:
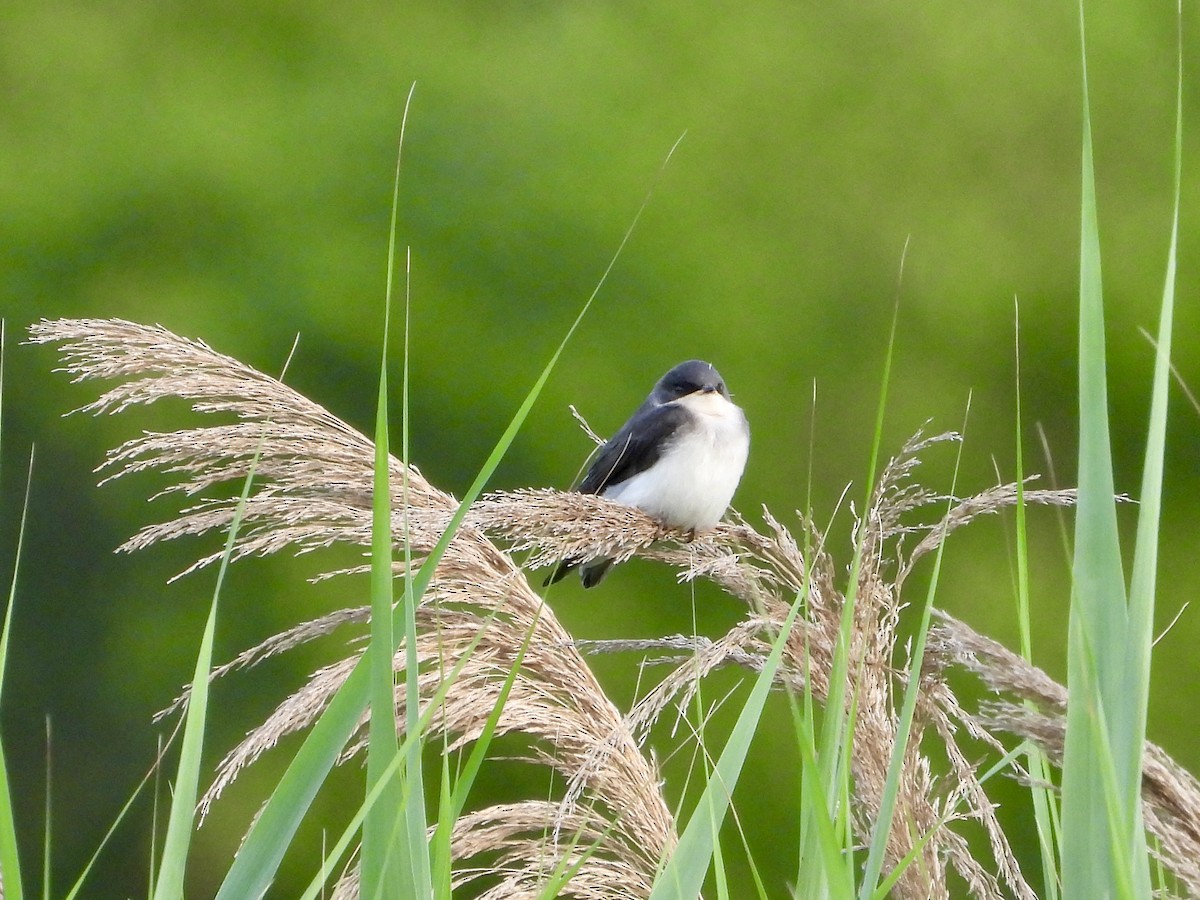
679,458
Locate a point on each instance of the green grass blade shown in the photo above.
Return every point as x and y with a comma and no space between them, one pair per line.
683,875
1130,732
1045,803
470,771
10,862
47,843
824,869
120,817
172,868
258,859
381,869
1004,764
387,779
415,827
834,756
440,857
1103,706
384,872
1145,559
372,795
1085,858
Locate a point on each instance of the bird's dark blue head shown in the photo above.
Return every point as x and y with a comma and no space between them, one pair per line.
689,377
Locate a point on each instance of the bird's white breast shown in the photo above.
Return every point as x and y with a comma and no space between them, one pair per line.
692,483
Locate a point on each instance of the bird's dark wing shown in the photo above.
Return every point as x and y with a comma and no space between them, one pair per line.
635,448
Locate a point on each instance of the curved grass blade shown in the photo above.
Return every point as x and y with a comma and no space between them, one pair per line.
120,817
384,872
10,862
1145,557
376,791
169,884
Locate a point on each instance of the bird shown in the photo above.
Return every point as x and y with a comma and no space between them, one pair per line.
678,458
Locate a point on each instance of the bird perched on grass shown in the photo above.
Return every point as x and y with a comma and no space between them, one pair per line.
679,458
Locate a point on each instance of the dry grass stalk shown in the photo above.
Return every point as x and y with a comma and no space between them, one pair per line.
314,490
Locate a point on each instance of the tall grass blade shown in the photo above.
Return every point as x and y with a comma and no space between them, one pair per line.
470,771
152,772
385,872
390,773
382,874
1045,809
1145,559
48,810
824,869
837,744
172,868
10,862
1104,709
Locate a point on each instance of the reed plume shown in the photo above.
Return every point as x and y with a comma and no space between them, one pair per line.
313,489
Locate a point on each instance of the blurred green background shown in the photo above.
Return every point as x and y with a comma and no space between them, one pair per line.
225,169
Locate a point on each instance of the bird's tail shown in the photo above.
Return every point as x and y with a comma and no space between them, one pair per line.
591,573
560,572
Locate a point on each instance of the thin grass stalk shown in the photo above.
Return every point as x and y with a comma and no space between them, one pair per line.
47,811
834,760
1045,802
11,883
684,874
413,780
388,821
386,872
153,772
388,777
823,868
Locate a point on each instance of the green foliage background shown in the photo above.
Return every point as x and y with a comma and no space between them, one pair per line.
225,169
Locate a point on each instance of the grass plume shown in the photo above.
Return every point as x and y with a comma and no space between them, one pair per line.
609,827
